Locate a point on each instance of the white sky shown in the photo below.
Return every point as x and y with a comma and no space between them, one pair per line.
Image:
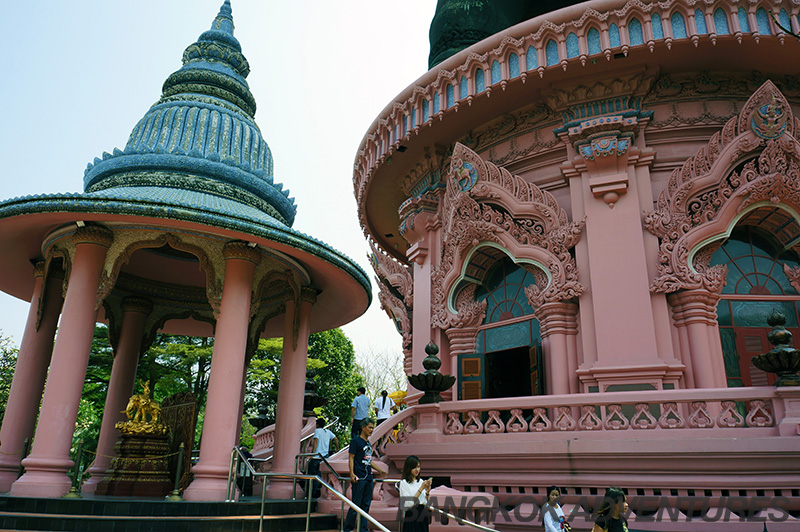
77,76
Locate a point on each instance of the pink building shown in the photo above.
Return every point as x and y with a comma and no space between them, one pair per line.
592,212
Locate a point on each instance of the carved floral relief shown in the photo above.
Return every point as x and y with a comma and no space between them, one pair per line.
754,158
487,204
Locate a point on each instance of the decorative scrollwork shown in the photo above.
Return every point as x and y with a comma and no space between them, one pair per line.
705,192
453,425
642,419
670,417
730,417
473,424
588,419
700,418
564,420
540,422
494,425
516,423
759,415
614,418
480,214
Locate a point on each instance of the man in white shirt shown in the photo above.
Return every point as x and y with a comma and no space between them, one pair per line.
321,444
384,407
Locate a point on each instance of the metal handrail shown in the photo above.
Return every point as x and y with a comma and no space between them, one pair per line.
461,520
237,457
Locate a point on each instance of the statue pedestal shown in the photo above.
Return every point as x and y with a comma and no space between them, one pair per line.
141,468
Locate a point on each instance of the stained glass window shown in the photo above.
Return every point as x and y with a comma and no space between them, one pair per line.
504,291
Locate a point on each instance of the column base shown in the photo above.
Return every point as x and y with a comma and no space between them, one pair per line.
96,473
8,474
210,484
43,478
281,489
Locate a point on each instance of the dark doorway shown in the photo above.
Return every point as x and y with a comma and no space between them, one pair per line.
508,373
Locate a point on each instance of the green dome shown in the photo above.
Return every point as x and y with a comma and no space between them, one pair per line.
201,135
458,24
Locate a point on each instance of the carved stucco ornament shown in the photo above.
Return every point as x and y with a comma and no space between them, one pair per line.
705,195
486,204
396,291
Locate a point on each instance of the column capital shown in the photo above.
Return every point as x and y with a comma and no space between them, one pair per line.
39,268
557,317
137,304
693,306
239,249
308,294
94,234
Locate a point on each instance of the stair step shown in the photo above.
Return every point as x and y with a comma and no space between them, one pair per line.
114,515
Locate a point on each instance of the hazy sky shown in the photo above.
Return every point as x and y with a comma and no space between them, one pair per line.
77,76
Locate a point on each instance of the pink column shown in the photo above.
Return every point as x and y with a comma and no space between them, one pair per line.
557,323
222,420
47,466
289,417
696,311
26,388
120,385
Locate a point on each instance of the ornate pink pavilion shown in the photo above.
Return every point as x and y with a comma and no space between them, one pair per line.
183,231
592,212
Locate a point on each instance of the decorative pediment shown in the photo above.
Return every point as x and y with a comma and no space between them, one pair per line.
484,204
754,159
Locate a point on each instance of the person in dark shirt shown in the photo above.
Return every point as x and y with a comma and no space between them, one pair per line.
611,514
361,466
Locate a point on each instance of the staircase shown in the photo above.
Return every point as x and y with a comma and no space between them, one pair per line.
117,515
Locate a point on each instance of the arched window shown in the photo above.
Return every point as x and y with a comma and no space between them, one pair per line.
744,24
480,84
593,38
513,65
678,26
451,95
613,36
463,90
503,289
700,22
551,52
635,34
436,103
658,29
531,61
763,22
496,75
755,254
572,45
721,22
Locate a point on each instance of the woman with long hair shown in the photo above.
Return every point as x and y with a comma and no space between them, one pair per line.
414,494
611,514
552,513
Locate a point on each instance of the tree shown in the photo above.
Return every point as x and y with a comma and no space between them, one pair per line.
330,356
382,371
8,363
339,379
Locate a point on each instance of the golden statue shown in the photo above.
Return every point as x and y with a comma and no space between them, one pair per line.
140,408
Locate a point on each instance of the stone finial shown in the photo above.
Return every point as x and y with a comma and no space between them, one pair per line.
431,381
782,360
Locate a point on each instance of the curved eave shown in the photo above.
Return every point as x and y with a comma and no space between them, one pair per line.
377,174
345,289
